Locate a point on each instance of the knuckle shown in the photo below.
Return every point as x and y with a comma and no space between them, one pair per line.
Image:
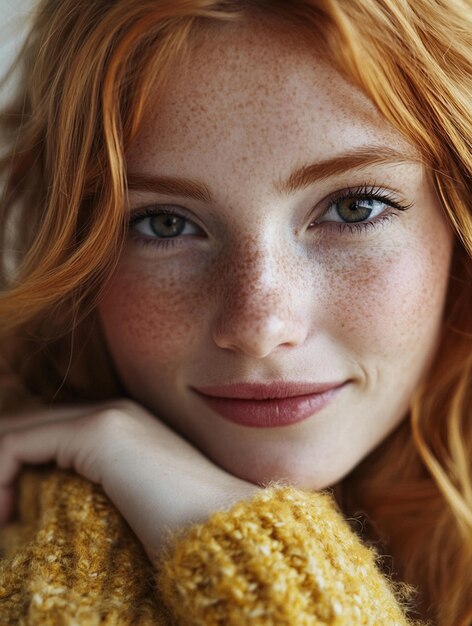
110,421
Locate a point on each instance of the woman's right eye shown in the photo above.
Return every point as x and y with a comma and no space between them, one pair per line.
163,225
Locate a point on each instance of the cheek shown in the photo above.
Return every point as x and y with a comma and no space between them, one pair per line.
389,302
150,317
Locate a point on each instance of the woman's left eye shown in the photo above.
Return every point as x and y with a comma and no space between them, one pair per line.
353,210
361,207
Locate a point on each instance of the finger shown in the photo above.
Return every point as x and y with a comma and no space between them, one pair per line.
59,442
13,451
78,442
35,445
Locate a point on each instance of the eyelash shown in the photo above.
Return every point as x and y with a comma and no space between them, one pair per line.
363,192
171,242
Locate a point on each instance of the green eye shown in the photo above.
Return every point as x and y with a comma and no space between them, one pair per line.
167,225
353,210
164,225
356,208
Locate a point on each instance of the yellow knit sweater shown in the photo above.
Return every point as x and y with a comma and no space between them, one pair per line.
286,557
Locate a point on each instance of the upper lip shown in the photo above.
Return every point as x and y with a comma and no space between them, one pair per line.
266,391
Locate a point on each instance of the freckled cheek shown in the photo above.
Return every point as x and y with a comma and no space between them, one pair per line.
151,317
384,301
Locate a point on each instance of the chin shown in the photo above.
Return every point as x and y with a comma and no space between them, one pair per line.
262,472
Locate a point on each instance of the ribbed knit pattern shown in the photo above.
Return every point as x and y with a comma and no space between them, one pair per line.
286,557
79,565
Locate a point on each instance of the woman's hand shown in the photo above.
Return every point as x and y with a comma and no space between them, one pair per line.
156,479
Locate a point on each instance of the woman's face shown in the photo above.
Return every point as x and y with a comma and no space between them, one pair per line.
272,260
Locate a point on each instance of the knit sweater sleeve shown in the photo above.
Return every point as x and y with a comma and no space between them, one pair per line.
70,559
286,557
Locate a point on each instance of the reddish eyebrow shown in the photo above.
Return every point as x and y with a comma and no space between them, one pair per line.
300,178
169,186
355,159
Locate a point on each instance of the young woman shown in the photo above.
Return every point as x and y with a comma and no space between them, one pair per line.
236,272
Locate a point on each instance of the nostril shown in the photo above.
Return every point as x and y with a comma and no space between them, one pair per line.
258,336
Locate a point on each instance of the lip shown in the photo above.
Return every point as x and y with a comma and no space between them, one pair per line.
268,405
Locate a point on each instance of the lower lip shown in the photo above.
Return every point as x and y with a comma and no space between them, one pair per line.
270,413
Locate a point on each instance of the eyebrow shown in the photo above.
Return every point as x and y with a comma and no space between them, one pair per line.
169,186
300,178
358,158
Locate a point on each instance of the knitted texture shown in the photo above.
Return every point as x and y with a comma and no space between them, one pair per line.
286,557
71,560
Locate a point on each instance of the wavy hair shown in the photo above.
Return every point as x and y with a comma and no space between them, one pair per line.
86,74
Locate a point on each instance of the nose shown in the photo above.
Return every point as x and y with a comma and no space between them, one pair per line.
260,305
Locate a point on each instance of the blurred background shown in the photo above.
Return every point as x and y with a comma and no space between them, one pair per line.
14,18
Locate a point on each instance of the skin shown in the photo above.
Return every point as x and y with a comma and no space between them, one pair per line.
263,289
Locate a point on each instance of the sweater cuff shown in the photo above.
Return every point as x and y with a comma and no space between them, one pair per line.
284,557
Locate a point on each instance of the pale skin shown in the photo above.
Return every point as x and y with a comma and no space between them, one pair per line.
263,283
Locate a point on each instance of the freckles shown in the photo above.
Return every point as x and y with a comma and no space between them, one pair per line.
150,316
252,286
388,300
358,295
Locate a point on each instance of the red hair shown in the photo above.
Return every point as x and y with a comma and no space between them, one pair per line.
87,74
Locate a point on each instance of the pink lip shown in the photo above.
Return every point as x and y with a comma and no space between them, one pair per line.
268,406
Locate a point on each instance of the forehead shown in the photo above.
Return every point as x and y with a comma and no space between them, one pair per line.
253,91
